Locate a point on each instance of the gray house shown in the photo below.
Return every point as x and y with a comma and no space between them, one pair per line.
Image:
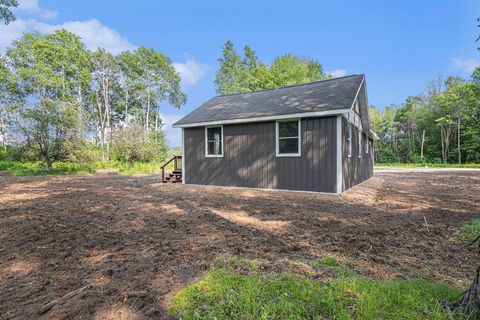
307,137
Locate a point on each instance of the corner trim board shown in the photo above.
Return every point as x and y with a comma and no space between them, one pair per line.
183,156
339,155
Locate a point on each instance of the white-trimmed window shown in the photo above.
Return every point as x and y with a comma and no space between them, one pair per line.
288,138
359,143
367,143
349,140
214,141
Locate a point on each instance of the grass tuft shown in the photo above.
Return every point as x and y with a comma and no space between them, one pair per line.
469,231
224,293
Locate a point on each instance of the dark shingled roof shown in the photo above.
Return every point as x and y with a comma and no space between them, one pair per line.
325,95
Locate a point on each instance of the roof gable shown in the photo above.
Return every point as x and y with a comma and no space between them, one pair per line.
332,96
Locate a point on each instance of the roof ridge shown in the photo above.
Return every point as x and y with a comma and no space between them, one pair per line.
290,86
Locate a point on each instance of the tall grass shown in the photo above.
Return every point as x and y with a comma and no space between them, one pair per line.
37,168
225,293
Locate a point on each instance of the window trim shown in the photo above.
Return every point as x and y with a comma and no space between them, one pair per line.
360,149
206,142
367,144
349,140
277,138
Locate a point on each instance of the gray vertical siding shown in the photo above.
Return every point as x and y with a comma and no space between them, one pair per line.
355,170
249,158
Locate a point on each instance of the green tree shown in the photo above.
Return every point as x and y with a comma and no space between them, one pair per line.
256,75
6,10
231,70
463,99
159,82
290,69
50,69
104,71
237,74
7,96
130,74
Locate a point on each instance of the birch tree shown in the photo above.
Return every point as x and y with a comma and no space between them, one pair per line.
104,73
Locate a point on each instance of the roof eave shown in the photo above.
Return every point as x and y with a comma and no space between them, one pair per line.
263,119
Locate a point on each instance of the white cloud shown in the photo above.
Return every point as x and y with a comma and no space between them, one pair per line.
173,135
12,31
92,32
191,71
466,65
32,7
337,73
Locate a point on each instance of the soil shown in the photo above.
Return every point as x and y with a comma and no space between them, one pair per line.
128,243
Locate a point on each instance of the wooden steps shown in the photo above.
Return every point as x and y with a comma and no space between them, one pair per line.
174,176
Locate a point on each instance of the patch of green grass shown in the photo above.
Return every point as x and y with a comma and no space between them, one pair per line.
362,298
429,165
224,293
469,231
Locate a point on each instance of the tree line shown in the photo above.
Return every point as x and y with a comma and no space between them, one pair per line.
440,125
62,102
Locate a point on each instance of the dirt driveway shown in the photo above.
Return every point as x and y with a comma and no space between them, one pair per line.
131,242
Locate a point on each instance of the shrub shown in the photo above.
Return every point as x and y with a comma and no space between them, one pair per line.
130,145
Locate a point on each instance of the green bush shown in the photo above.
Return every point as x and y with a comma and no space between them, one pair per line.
80,152
131,146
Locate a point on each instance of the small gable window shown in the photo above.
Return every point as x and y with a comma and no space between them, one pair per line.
214,141
288,138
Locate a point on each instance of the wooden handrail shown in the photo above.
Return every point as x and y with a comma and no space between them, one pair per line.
175,165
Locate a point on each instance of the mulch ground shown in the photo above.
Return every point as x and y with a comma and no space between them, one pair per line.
129,243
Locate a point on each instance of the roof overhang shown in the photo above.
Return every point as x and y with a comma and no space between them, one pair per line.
264,119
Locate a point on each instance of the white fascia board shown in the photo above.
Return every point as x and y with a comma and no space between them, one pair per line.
264,119
358,92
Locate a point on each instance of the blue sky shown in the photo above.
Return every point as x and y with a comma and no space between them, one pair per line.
399,45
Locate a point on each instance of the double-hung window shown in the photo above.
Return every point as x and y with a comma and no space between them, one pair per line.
288,138
214,141
349,140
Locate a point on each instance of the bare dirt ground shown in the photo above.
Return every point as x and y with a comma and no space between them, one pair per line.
131,242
